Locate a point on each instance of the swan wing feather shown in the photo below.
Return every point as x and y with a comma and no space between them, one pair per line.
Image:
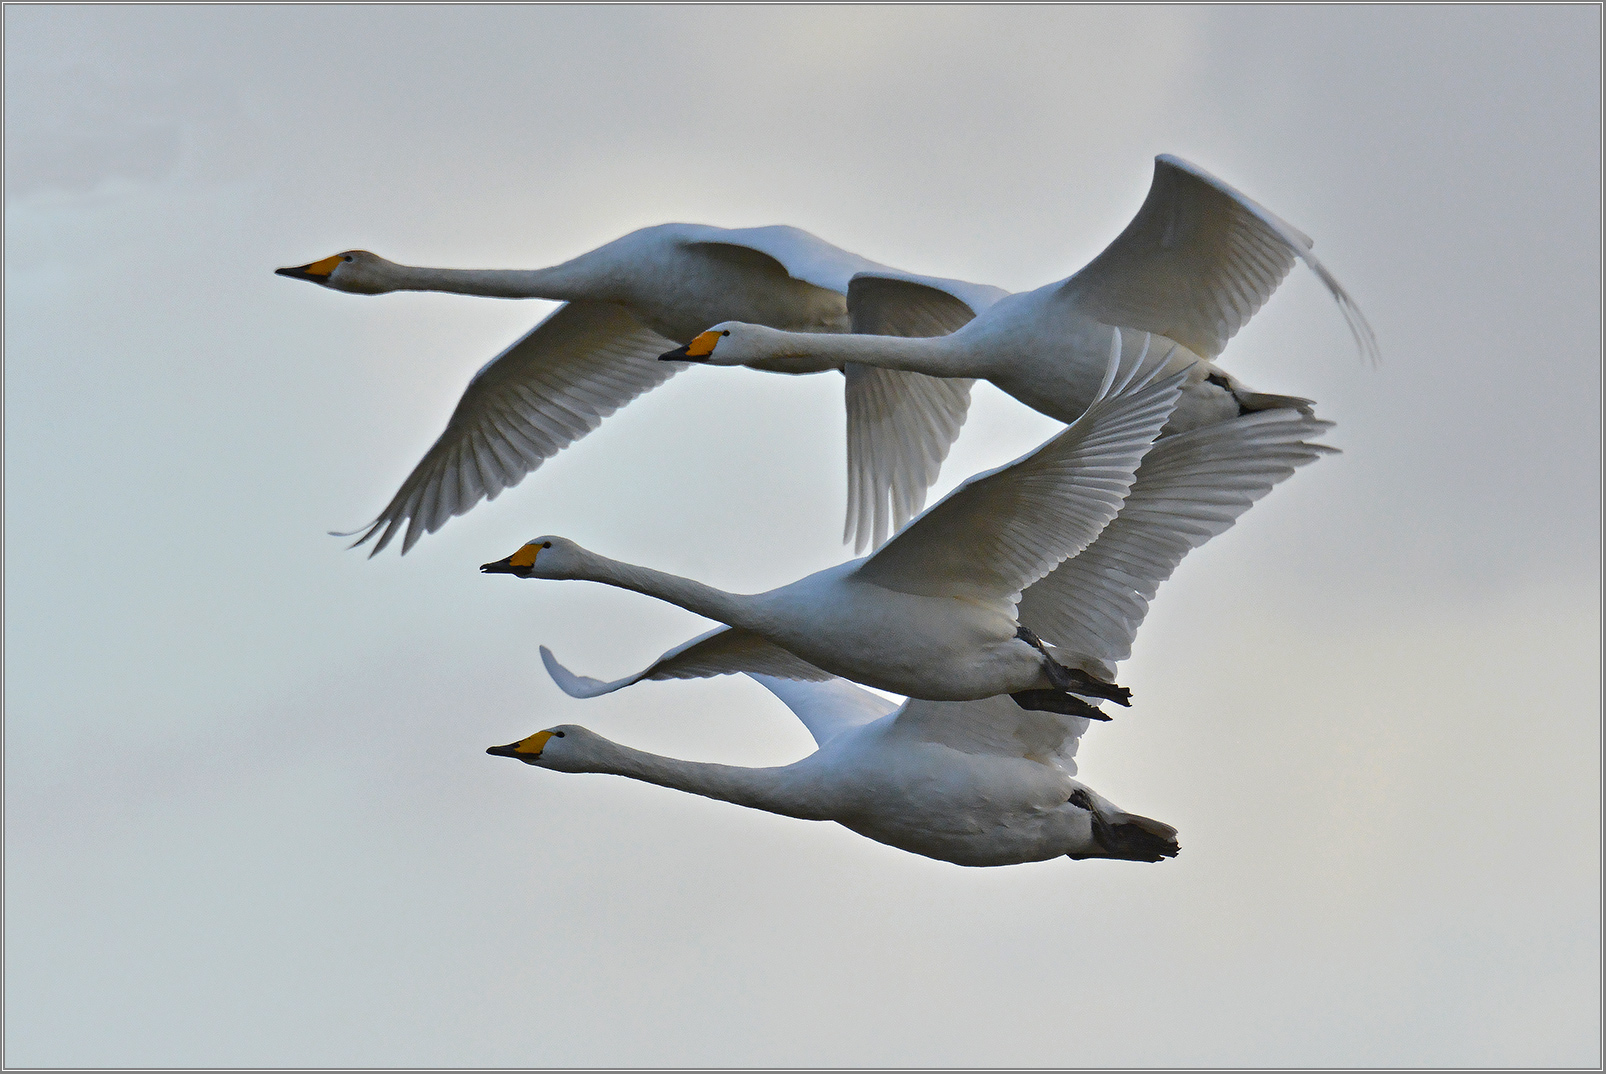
901,424
803,256
721,651
1003,530
827,708
552,386
1189,488
996,726
1196,263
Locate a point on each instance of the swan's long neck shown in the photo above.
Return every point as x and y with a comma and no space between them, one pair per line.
775,790
559,283
734,609
786,352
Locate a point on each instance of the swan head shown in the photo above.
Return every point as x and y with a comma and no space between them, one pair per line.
544,557
357,271
566,748
731,343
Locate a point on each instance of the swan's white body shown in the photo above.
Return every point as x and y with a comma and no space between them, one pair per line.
844,621
931,614
630,300
1194,265
975,783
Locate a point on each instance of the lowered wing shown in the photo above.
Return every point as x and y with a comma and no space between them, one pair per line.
540,395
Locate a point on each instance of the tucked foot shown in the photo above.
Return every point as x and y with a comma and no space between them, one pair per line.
1249,402
1074,680
1126,835
1054,701
1080,681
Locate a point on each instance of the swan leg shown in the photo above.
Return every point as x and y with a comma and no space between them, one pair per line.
1074,680
1249,402
1126,835
1054,701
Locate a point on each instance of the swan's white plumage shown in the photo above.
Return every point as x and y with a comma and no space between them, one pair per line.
994,726
1195,263
1003,530
977,783
631,300
525,405
827,707
722,651
901,424
931,615
1198,261
1189,488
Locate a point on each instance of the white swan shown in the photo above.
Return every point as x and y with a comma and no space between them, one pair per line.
970,782
1193,266
630,300
932,614
1189,488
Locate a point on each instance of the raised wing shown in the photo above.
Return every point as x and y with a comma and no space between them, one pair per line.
544,392
1001,531
901,424
1189,488
827,708
994,725
721,651
1196,263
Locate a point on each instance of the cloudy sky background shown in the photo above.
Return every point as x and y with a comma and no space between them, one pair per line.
248,816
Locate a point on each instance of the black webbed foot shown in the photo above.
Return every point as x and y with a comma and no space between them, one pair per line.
1085,684
1074,680
1054,701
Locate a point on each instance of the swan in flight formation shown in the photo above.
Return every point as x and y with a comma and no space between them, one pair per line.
932,614
1192,267
631,299
970,782
1194,264
985,593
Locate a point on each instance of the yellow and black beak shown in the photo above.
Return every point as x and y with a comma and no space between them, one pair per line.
316,271
518,564
697,350
527,750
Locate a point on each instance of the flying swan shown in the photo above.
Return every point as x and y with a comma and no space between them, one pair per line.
628,301
933,613
1084,612
970,782
1192,267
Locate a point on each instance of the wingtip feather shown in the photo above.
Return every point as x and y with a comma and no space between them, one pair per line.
574,685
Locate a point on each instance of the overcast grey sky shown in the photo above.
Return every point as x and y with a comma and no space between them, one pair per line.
249,819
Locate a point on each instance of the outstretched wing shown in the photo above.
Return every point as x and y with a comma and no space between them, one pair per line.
994,725
827,708
1190,488
721,651
1197,261
901,424
544,392
1001,531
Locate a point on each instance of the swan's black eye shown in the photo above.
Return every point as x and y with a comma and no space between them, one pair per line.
726,332
557,734
546,544
346,259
